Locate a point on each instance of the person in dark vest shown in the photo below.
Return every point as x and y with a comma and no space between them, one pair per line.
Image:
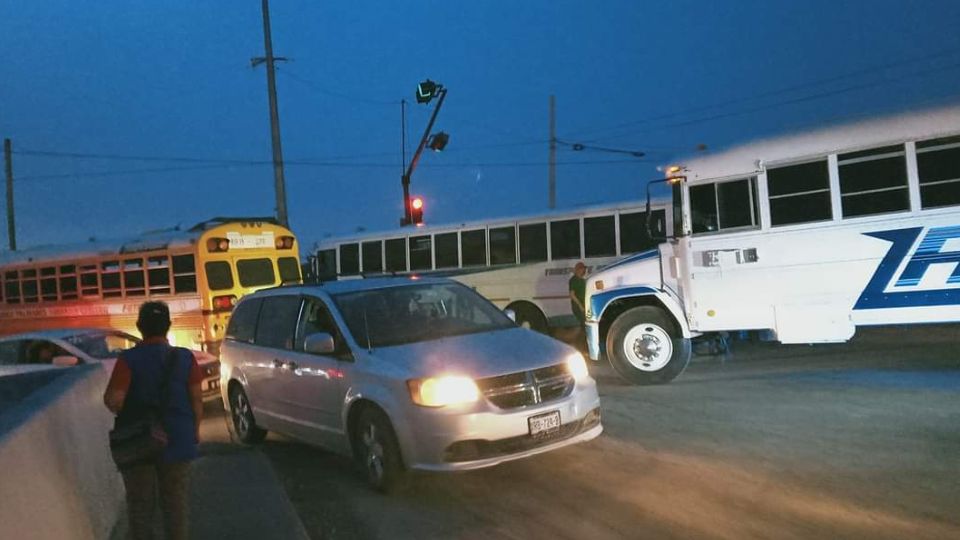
578,291
135,383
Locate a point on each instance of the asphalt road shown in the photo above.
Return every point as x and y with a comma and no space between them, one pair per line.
836,441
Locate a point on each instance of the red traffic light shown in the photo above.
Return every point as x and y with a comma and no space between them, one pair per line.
416,210
417,203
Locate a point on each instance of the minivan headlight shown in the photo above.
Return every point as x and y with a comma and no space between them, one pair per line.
577,366
443,391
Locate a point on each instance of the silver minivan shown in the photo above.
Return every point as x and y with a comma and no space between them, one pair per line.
402,373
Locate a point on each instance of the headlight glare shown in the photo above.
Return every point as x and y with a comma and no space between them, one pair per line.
443,391
577,366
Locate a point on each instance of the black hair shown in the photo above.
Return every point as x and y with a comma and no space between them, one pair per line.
154,319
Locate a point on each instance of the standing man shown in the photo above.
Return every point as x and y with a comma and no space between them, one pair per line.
578,291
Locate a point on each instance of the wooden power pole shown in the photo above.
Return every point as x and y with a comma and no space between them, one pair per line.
553,155
11,224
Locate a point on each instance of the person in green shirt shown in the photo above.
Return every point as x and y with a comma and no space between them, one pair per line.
578,290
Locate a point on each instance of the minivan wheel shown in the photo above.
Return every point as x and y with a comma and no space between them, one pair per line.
376,450
242,414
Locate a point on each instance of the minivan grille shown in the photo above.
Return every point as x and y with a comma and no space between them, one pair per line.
527,387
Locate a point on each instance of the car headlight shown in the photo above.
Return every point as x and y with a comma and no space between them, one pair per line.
443,391
577,366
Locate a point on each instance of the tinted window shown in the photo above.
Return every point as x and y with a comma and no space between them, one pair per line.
473,247
89,280
723,205
873,181
396,255
219,275
372,257
243,322
158,275
420,253
349,259
799,193
565,239
599,236
11,287
938,163
255,272
289,269
110,278
327,264
503,245
533,242
278,321
633,231
184,274
446,250
134,282
315,319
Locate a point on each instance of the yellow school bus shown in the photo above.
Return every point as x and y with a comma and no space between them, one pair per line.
200,272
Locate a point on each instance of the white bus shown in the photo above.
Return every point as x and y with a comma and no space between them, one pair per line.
805,237
520,263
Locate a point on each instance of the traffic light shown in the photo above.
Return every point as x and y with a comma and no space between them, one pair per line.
416,210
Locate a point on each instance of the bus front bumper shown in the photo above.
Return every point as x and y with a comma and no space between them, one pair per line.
593,340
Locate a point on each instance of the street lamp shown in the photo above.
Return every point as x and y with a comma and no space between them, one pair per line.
426,92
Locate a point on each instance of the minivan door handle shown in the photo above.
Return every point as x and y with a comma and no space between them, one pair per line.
292,366
277,363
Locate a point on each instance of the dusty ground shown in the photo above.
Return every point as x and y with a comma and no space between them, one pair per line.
842,441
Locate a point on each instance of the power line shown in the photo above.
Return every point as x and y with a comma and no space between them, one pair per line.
127,172
783,90
326,91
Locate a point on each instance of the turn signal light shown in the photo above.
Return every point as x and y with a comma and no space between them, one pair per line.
218,245
598,284
284,242
224,303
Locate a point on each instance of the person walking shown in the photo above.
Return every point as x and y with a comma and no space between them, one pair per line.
138,381
578,291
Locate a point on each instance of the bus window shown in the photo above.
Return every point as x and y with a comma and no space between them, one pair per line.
134,283
11,286
372,257
219,275
533,242
473,247
68,282
158,275
420,253
110,277
565,239
28,284
938,162
799,193
633,232
599,236
327,264
349,259
48,284
184,274
503,245
89,281
724,205
445,253
289,270
255,272
873,181
396,249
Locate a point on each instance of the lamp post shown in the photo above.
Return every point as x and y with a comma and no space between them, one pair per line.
426,91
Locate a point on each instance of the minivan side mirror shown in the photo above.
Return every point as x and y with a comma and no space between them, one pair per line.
511,314
65,360
319,343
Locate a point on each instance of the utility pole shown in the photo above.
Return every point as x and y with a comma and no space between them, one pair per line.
11,224
278,181
553,156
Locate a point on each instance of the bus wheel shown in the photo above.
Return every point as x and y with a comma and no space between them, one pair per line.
644,347
529,316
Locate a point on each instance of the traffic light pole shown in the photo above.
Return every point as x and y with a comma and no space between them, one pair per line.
405,179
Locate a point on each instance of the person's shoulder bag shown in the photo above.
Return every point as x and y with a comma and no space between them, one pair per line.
142,440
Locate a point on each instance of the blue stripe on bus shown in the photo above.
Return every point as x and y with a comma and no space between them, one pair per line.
643,255
599,301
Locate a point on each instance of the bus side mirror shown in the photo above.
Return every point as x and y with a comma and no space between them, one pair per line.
65,361
511,314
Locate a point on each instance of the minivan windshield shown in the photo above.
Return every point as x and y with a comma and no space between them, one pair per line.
412,313
102,345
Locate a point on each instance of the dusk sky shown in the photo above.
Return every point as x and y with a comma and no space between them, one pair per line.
138,115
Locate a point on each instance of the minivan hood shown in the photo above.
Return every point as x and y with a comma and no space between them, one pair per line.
484,354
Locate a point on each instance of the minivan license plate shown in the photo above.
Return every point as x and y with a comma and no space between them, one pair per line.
544,424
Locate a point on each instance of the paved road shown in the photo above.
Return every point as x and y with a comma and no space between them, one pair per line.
840,441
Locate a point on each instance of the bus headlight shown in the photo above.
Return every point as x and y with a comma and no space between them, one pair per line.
577,367
443,391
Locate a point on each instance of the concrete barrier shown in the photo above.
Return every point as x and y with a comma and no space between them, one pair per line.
57,479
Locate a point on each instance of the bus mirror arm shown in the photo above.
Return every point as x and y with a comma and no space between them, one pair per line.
660,235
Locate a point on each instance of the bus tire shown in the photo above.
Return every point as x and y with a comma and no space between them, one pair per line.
645,347
530,316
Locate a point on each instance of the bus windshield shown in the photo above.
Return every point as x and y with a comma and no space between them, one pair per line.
414,313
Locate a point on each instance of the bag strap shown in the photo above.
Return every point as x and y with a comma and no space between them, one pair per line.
169,360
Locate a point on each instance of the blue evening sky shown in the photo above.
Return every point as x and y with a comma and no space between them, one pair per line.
172,82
